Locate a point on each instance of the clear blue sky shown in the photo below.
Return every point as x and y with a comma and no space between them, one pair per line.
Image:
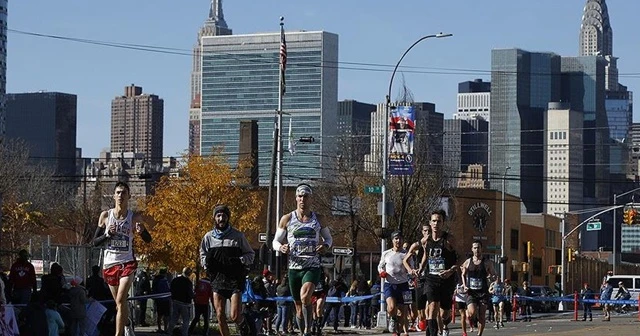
371,31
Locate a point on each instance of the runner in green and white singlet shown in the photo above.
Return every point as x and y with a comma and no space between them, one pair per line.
304,239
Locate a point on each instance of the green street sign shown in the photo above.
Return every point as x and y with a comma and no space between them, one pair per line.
493,247
373,189
594,226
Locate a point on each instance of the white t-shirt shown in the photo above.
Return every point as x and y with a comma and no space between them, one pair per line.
391,262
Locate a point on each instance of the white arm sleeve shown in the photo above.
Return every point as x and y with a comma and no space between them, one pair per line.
326,236
278,238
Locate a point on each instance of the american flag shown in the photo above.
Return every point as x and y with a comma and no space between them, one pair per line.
283,59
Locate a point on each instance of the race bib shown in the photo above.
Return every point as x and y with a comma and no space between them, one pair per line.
119,243
305,249
407,297
475,283
436,265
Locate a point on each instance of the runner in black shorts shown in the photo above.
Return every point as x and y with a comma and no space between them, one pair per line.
413,261
475,274
440,264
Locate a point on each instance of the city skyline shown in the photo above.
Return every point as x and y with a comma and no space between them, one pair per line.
477,29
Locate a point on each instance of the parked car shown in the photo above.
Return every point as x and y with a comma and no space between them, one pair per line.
543,306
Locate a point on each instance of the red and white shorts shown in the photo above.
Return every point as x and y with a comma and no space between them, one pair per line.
113,274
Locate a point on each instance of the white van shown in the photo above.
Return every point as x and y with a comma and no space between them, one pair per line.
632,282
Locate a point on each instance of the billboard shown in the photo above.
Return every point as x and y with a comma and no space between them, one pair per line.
402,125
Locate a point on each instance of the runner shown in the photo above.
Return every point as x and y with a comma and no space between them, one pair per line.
115,229
439,264
301,229
475,272
396,290
225,254
497,300
414,260
461,298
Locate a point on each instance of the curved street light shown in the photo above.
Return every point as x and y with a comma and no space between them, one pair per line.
382,316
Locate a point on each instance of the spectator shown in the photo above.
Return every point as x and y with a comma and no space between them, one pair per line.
53,284
270,306
526,292
3,297
605,294
54,320
78,314
23,279
352,316
364,306
203,295
181,299
7,285
284,307
337,289
96,286
160,285
32,320
142,287
587,294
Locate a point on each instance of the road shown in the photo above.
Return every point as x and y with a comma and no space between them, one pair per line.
561,324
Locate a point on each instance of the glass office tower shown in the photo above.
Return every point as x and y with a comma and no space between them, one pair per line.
240,82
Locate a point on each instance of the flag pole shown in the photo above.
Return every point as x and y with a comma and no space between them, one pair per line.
281,88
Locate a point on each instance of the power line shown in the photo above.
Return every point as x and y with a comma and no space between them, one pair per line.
362,66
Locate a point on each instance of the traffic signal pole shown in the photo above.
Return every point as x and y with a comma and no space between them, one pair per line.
565,236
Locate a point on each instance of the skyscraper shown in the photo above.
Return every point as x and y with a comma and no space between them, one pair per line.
137,121
583,86
563,157
46,122
474,99
3,64
596,38
522,85
354,130
466,143
215,25
240,82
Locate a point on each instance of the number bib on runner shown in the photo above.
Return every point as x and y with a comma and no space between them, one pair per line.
407,297
305,249
119,243
475,283
436,265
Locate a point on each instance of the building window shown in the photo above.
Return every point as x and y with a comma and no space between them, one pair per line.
537,266
515,239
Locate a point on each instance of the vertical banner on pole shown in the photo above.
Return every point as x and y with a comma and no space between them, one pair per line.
402,126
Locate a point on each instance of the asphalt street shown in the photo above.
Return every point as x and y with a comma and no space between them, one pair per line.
556,324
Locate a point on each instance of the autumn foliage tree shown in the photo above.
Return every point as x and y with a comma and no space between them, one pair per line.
181,209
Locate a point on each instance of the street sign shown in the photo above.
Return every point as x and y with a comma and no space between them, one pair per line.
373,189
493,247
594,226
262,237
345,251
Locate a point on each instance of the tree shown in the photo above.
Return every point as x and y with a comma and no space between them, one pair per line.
181,210
26,189
343,193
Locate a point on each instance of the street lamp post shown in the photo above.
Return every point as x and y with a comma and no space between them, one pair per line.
503,266
382,315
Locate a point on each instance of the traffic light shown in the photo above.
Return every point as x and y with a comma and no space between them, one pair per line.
529,249
571,254
631,216
636,216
